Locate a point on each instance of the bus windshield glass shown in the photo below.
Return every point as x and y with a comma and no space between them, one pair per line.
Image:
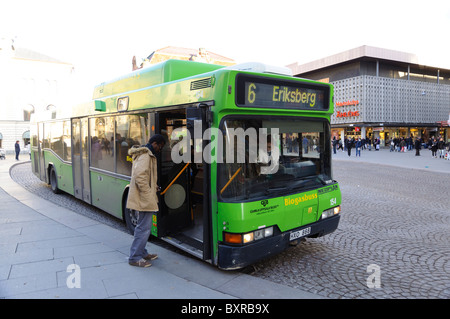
250,169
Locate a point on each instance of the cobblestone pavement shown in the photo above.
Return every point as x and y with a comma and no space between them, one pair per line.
397,219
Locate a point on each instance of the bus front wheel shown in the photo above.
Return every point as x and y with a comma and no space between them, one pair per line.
131,219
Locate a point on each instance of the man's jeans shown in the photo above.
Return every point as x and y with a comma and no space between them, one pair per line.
141,234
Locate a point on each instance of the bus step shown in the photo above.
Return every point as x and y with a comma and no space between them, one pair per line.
185,246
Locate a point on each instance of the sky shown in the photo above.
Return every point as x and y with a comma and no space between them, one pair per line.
100,37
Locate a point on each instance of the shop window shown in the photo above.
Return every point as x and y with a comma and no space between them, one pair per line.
26,138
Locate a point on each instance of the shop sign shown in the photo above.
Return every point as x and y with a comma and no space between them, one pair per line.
347,114
348,103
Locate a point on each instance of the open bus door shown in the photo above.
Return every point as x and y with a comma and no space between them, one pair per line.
183,218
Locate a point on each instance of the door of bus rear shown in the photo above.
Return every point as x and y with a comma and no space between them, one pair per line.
42,174
80,159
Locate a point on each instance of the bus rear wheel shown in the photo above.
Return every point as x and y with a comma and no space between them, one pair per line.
54,181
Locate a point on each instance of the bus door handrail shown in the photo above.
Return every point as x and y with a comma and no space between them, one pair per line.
176,177
230,180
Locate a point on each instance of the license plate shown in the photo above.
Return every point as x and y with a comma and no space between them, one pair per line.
300,233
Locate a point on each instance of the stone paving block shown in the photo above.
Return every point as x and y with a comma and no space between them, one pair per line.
26,257
49,231
181,290
55,243
4,272
80,250
9,229
8,248
10,213
40,267
92,276
100,259
35,283
66,217
155,282
126,296
186,267
93,291
107,235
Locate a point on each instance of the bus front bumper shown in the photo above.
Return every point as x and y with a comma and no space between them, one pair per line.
236,257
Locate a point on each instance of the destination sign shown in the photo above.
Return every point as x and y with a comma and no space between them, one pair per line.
273,93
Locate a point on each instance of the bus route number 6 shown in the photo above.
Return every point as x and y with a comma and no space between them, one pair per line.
251,93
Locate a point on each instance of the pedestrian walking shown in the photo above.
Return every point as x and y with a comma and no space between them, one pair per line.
358,147
143,198
434,147
402,145
349,145
417,146
17,149
441,147
392,144
334,142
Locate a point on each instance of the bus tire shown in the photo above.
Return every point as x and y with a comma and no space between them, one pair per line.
130,215
54,181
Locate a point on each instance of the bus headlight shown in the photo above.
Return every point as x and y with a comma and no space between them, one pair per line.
248,237
331,212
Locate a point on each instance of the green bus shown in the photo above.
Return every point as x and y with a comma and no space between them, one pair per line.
221,201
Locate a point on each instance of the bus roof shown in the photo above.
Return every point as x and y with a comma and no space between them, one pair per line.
168,71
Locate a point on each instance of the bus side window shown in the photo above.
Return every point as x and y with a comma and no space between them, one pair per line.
130,130
102,150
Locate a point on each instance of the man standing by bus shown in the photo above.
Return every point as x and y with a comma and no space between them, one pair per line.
143,198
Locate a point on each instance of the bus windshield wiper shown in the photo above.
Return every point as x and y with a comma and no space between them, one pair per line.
302,182
272,189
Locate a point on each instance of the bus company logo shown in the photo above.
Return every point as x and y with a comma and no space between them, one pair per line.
300,199
265,209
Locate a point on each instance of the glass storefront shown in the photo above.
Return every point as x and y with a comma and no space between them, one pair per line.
385,134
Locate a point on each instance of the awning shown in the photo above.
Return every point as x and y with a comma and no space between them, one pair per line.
26,135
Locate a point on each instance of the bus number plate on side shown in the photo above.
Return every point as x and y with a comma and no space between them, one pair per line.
300,233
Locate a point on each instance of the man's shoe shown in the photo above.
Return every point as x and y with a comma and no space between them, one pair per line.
151,257
141,263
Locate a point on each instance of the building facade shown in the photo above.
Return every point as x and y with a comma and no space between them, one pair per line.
383,94
30,82
177,53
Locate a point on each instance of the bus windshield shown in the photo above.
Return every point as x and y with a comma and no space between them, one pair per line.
253,171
